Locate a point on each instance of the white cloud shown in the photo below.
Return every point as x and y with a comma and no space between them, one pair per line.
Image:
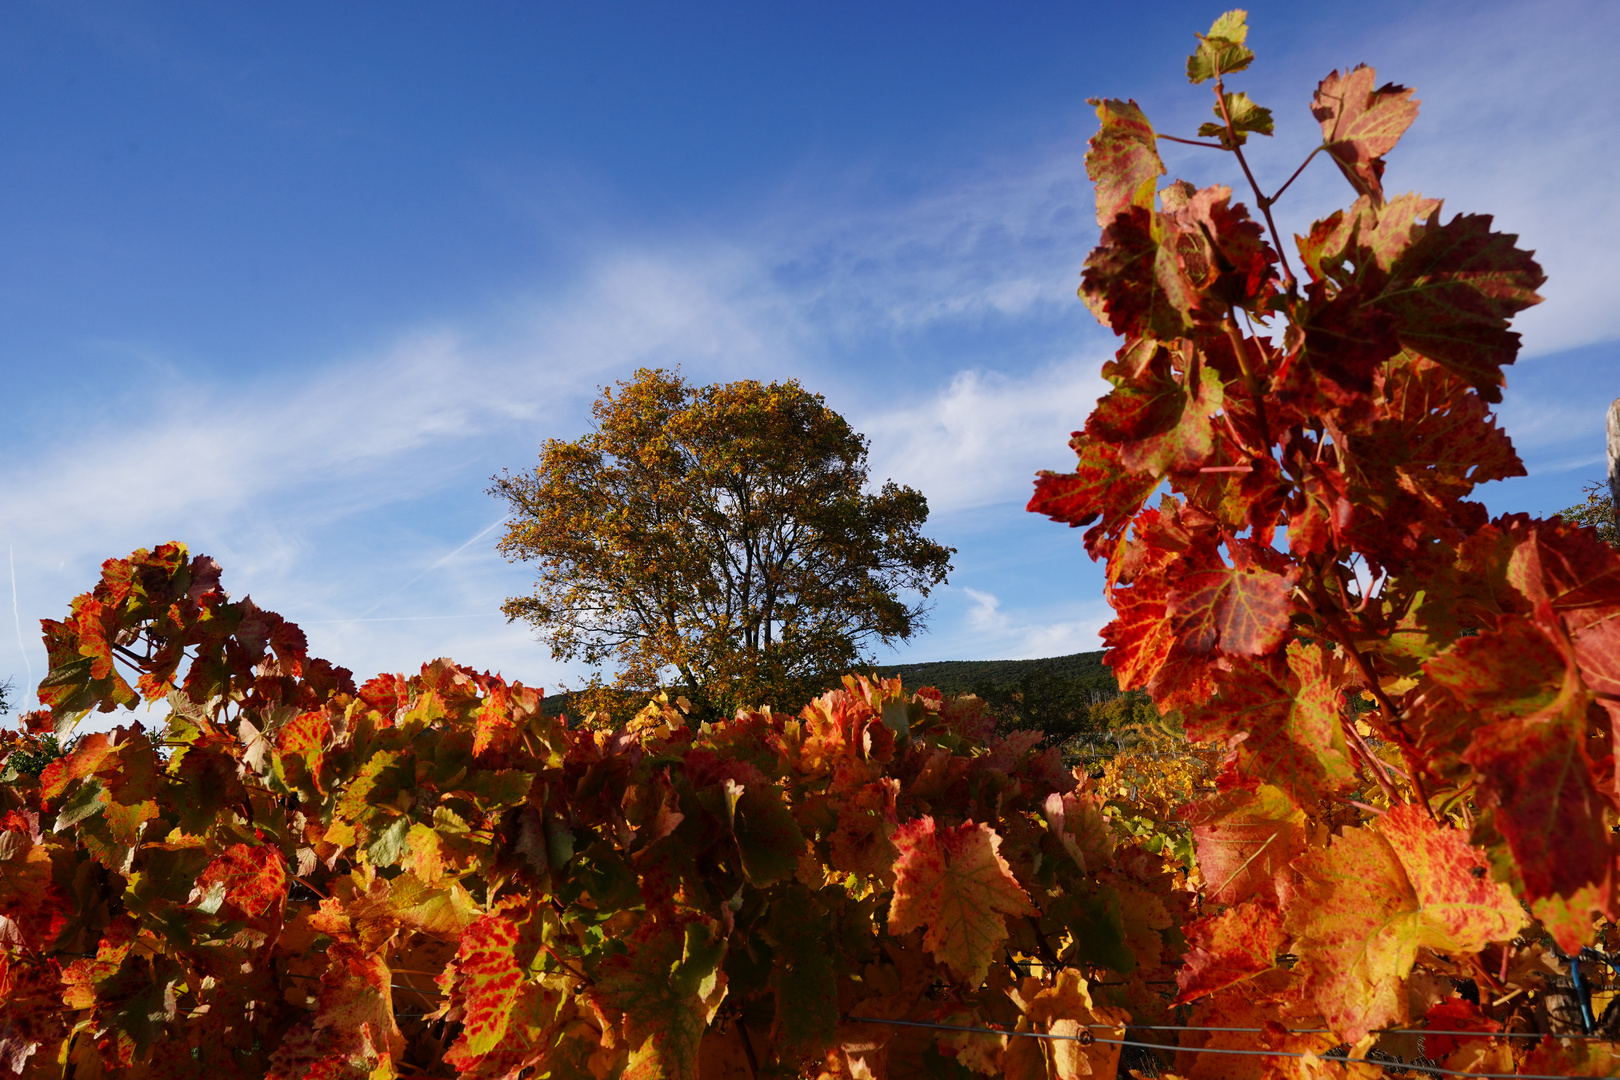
987,631
297,483
1002,240
986,616
980,439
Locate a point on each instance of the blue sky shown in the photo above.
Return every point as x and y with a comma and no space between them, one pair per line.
291,282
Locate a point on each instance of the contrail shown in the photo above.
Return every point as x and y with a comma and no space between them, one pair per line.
399,618
11,557
497,523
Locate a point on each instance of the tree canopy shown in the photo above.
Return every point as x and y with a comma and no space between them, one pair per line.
725,533
1597,512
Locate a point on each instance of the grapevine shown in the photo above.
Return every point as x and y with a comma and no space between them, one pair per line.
427,876
1312,440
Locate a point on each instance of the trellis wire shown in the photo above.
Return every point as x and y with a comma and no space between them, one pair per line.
1433,1070
1170,1027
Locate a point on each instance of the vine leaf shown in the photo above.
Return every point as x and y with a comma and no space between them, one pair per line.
1100,487
768,839
1135,282
1122,159
1064,1009
1288,717
953,884
1160,427
1263,1013
1247,119
802,976
668,986
1452,292
1243,608
1245,837
1360,125
1514,671
250,878
356,1000
1230,947
1379,894
484,980
1222,50
1533,771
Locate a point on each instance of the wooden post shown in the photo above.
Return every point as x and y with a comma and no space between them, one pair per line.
1614,460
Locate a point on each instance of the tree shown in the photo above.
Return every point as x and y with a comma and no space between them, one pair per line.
1597,512
721,532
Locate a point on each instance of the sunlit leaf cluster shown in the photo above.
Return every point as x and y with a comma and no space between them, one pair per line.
427,876
1279,482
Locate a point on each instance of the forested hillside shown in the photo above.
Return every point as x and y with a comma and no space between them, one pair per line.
1061,696
969,676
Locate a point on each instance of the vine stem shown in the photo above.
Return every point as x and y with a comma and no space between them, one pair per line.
1259,196
1049,958
1378,768
748,1045
311,887
1237,440
1341,634
1187,142
563,963
1266,202
1250,382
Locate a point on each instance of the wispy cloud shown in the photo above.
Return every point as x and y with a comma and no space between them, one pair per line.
984,630
981,437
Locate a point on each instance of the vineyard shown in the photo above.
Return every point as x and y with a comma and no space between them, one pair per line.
1368,822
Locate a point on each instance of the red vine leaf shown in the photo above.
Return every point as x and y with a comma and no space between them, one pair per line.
1242,609
1360,124
1158,425
1379,894
953,884
1513,671
485,981
1100,487
1288,715
1245,838
1547,806
250,878
1123,159
1230,947
1135,282
1452,293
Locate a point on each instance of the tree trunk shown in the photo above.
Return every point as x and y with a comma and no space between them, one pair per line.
1614,460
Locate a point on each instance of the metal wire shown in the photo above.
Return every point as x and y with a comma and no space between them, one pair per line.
1329,1031
1378,1031
1435,1070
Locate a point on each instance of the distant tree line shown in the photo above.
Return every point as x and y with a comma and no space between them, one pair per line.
1062,696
